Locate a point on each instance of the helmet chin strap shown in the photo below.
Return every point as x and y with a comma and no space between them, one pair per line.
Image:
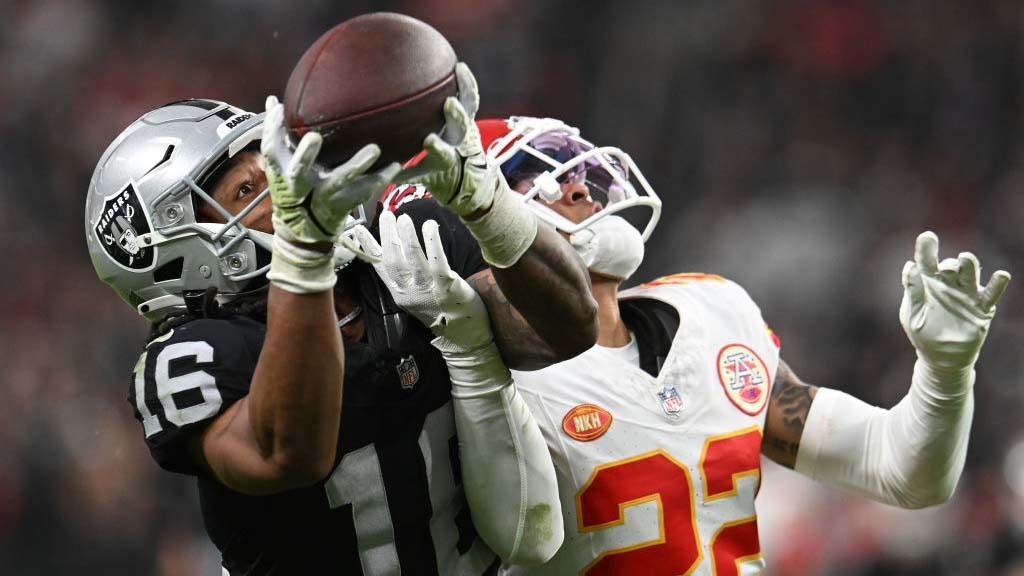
610,246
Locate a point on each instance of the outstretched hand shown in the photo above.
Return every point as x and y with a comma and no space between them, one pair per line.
455,169
311,203
945,312
424,284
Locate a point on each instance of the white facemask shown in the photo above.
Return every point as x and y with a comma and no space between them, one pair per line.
611,246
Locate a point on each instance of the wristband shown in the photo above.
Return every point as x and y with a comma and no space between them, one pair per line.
299,270
505,231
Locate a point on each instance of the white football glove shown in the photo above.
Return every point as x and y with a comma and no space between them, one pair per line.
426,287
310,205
945,313
454,169
459,175
501,447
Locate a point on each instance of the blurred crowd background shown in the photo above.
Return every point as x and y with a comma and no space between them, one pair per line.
799,147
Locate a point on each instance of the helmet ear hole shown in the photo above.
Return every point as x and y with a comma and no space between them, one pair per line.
170,271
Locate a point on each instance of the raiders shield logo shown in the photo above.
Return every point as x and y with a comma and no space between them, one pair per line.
120,224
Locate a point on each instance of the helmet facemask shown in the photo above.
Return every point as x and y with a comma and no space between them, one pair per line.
160,170
544,154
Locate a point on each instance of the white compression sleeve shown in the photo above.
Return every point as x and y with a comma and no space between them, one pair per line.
506,467
910,456
507,230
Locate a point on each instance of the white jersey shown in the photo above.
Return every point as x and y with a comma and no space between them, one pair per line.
657,475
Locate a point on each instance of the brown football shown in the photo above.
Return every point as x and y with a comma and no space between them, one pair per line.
379,77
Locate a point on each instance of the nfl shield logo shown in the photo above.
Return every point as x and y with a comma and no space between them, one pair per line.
408,373
671,402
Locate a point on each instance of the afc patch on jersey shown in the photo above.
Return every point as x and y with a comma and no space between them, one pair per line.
586,422
744,378
122,222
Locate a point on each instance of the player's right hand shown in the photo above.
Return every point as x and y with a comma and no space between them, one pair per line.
455,170
311,205
425,286
945,312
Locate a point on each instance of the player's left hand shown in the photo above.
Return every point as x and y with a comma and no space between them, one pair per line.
945,312
455,169
353,244
425,285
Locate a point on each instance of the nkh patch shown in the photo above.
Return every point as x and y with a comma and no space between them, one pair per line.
408,372
123,220
586,422
744,377
671,402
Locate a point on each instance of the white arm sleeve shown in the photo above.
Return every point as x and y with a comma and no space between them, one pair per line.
910,456
507,470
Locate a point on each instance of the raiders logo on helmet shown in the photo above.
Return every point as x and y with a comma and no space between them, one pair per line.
119,227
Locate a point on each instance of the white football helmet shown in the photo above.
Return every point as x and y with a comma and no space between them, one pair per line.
547,152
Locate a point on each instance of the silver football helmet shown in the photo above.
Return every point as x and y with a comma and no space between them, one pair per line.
141,224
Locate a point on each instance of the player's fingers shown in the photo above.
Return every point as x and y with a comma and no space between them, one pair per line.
370,250
354,167
440,157
969,271
411,249
387,174
469,92
949,266
411,175
390,243
366,186
305,154
436,258
926,252
273,111
272,121
912,283
995,288
456,121
380,264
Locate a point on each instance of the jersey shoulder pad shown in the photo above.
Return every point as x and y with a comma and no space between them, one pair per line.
684,279
711,291
187,377
711,284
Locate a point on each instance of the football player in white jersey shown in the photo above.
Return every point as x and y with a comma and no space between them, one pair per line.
657,431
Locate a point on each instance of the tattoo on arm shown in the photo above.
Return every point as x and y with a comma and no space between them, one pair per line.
787,414
521,348
541,308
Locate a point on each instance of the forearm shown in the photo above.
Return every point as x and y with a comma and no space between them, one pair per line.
295,398
540,285
532,302
507,470
550,287
909,456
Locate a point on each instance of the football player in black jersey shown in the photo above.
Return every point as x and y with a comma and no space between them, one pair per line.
241,382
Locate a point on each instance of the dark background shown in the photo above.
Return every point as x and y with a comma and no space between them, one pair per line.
799,147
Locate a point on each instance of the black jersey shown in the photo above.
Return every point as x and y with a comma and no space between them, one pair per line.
393,503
